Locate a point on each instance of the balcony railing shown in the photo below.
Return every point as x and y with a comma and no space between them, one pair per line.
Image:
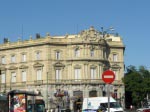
59,82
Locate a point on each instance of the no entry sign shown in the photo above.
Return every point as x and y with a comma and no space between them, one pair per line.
108,76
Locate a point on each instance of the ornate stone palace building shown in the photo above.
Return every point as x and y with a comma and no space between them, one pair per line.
64,69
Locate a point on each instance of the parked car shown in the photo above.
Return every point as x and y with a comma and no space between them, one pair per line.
143,110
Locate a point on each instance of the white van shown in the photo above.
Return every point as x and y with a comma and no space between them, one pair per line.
94,103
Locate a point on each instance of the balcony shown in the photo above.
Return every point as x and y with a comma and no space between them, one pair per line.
60,82
38,82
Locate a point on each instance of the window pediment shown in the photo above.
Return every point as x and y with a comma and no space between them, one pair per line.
38,65
115,66
23,67
59,64
92,66
77,66
13,68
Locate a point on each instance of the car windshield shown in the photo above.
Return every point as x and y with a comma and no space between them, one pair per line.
112,105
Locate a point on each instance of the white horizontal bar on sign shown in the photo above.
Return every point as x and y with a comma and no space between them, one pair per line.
108,76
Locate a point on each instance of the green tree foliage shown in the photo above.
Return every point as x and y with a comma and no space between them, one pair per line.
137,83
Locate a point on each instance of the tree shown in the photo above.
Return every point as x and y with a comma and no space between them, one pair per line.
137,85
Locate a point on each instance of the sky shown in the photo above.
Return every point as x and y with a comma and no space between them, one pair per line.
129,18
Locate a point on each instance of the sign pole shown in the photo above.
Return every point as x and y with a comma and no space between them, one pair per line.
108,77
108,90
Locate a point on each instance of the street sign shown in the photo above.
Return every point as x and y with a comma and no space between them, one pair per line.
108,76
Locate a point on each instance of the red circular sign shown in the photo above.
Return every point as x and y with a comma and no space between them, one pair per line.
108,76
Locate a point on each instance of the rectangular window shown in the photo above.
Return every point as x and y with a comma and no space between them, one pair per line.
93,73
104,54
77,74
77,52
39,74
3,78
13,59
38,56
24,76
57,55
115,57
92,53
13,77
3,60
58,74
23,57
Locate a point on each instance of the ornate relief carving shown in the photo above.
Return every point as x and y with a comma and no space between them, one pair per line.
90,34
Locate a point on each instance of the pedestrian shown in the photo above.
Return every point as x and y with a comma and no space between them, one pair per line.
57,109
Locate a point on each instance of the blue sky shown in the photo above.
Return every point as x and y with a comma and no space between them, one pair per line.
130,18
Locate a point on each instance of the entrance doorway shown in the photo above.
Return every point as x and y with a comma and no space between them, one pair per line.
78,101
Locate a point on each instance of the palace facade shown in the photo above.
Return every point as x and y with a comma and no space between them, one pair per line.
64,69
